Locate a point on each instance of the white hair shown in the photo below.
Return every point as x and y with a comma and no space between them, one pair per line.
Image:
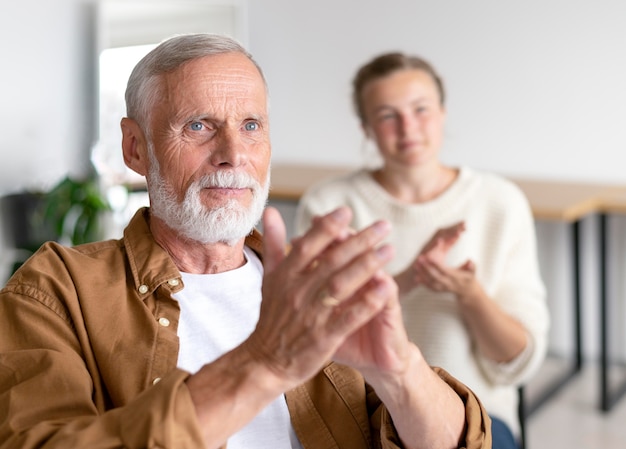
142,90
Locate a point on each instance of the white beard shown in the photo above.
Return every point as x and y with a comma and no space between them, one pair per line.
226,224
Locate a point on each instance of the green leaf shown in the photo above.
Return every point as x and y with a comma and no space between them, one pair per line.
73,208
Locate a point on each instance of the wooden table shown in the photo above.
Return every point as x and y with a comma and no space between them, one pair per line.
563,200
290,181
567,202
549,200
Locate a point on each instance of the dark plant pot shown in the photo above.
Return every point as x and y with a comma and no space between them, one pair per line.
23,222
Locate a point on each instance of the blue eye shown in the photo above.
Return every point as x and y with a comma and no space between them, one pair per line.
196,126
251,126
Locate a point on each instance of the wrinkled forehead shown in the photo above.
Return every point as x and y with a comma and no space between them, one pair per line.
218,86
222,72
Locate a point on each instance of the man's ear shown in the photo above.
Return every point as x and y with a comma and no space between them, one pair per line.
134,146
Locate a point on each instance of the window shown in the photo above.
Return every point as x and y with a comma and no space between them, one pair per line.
127,30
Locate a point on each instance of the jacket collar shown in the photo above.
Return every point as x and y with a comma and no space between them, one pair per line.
150,264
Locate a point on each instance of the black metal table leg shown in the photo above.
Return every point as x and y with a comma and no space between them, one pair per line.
577,296
608,398
557,384
522,414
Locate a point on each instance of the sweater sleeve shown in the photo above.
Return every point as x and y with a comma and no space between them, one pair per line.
521,293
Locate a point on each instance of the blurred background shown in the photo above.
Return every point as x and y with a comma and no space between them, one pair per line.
535,90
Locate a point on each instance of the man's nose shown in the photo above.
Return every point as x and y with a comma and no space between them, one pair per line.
229,149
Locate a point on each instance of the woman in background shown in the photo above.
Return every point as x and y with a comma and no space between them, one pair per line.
466,261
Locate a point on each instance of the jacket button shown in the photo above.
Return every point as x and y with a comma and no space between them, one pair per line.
164,322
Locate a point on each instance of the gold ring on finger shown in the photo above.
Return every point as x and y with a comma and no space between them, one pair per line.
327,299
330,301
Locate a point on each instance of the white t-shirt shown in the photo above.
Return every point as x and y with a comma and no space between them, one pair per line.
218,312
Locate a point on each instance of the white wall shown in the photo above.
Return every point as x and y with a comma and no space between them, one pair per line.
46,89
47,106
535,89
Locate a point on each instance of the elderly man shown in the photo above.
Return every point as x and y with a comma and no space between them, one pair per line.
178,336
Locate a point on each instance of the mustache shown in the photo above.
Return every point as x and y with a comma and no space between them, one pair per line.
228,179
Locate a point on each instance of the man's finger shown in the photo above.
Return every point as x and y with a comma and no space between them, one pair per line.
325,231
274,238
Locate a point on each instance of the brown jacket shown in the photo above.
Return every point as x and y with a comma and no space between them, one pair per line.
88,353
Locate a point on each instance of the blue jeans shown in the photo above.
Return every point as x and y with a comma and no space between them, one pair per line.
502,436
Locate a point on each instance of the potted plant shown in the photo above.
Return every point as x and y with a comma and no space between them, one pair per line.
73,210
70,212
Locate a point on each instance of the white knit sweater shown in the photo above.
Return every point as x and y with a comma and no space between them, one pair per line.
499,238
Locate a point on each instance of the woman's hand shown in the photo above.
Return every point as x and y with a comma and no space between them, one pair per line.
435,250
458,280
